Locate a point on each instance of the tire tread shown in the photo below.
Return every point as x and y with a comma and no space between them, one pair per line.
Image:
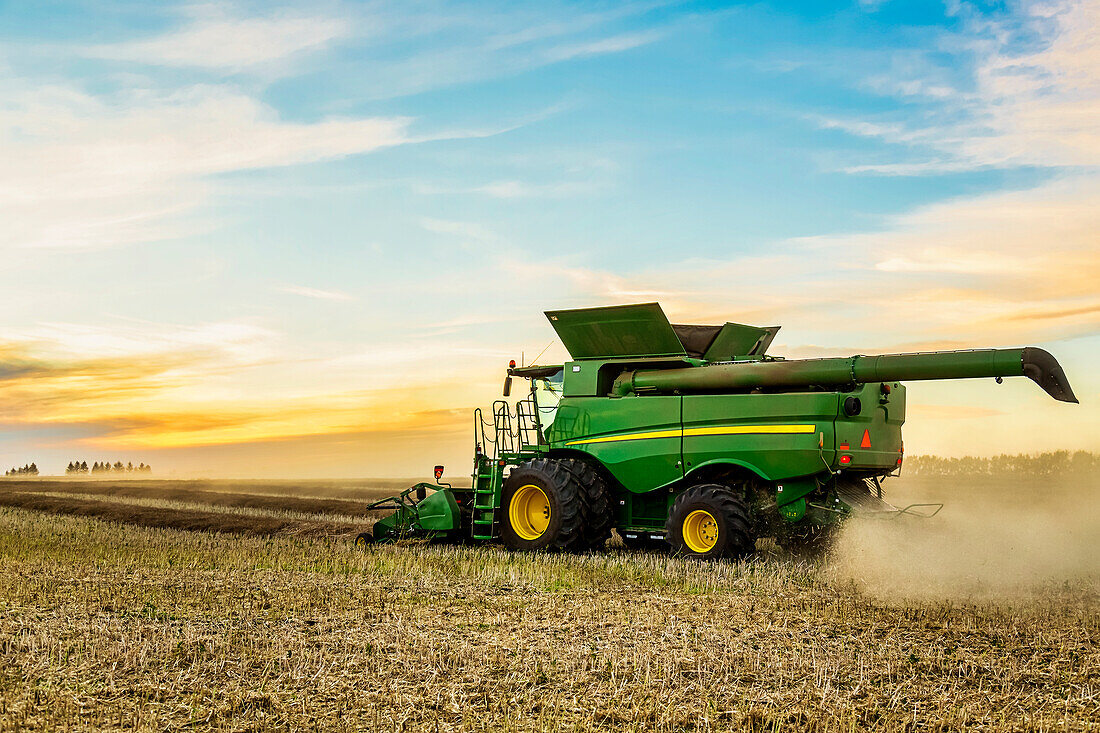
725,501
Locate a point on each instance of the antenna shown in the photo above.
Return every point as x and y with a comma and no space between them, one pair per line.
536,359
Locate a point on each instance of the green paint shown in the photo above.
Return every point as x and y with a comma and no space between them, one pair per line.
793,511
617,331
438,512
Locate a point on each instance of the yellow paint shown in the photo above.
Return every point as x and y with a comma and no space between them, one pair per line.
694,432
529,512
630,436
751,430
700,531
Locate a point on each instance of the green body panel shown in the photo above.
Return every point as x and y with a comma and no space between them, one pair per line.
438,512
596,378
882,417
735,340
646,511
616,331
595,424
772,456
581,379
647,442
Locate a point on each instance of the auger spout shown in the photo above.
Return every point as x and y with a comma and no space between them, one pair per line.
1034,363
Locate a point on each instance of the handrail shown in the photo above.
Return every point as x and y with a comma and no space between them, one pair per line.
508,431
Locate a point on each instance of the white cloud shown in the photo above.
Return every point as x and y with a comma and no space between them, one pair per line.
233,341
85,171
446,48
1034,108
463,229
511,189
610,44
214,39
518,189
316,293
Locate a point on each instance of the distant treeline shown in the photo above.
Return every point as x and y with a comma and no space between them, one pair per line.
1039,464
106,467
28,470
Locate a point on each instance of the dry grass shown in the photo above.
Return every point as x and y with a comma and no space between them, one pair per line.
109,626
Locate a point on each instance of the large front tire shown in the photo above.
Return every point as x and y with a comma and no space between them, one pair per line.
710,521
543,507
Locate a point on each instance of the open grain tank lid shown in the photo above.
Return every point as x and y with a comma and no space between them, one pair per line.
641,330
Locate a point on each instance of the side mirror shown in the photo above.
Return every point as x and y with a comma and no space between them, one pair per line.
438,472
508,385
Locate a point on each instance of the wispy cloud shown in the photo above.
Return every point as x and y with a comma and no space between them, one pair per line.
519,189
316,293
610,44
213,38
1033,107
85,171
464,229
442,48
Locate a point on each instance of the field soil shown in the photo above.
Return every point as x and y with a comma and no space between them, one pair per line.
318,508
986,617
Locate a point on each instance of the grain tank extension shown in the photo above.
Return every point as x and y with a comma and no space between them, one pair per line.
690,436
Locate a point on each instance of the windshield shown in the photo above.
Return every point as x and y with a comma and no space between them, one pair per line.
547,395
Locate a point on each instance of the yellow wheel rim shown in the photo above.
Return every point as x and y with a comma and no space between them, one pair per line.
529,512
700,531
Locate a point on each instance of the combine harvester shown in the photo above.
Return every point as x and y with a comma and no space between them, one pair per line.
687,435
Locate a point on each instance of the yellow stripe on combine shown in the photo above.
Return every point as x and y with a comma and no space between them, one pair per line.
693,432
632,436
751,429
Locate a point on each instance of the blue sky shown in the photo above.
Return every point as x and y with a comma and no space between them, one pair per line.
251,233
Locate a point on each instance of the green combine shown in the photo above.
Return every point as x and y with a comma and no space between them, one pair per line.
687,436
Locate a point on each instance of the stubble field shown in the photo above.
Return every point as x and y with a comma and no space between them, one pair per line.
161,605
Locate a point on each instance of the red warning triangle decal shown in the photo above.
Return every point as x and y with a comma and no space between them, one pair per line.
866,442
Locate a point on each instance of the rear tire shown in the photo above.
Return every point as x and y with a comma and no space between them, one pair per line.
710,521
363,540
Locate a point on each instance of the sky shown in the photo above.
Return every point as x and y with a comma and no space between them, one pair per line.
304,240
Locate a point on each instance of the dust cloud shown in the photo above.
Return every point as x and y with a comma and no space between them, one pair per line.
997,537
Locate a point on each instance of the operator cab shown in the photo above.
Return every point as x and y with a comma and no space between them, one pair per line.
546,392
